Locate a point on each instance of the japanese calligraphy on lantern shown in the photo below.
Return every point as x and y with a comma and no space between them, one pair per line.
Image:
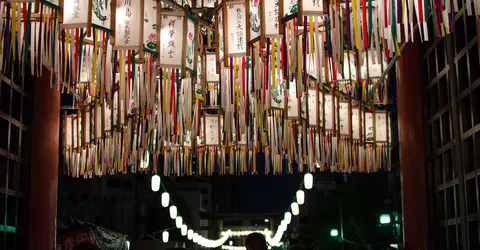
221,39
127,25
254,19
75,13
356,123
236,28
212,128
312,107
290,7
101,10
381,127
276,95
320,108
312,7
211,62
292,101
329,106
190,48
150,25
344,118
368,127
271,13
171,40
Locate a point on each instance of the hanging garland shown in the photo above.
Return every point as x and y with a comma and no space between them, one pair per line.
278,77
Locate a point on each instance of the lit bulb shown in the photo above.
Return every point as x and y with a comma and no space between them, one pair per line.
300,197
195,237
295,208
165,199
190,234
183,230
173,212
308,181
178,221
155,183
288,217
165,236
230,243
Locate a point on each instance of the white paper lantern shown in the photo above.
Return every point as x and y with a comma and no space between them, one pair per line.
295,208
308,181
155,183
183,230
195,237
190,234
300,197
165,199
178,221
173,212
165,236
287,217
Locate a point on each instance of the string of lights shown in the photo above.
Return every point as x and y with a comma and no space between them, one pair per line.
274,241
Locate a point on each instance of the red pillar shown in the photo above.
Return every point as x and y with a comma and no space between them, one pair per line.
44,169
412,154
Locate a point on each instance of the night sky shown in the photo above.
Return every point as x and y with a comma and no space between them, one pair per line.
266,193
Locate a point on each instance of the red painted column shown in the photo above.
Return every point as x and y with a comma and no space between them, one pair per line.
44,168
412,153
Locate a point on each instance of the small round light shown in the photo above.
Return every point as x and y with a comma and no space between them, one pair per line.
385,219
334,232
300,197
190,234
288,217
155,182
308,181
295,208
230,243
165,199
178,221
173,212
183,230
165,236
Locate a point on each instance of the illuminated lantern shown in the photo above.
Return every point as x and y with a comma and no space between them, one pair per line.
173,212
178,221
165,236
295,208
183,230
300,197
287,217
190,234
308,181
155,183
195,237
165,199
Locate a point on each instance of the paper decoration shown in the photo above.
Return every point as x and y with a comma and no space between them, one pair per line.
292,101
312,107
321,108
374,65
190,49
87,125
277,95
68,121
349,67
303,106
312,7
171,39
290,8
211,65
344,118
329,109
101,12
254,19
212,130
220,34
381,127
369,130
150,25
356,121
108,118
127,25
75,131
271,17
205,3
75,14
86,67
236,29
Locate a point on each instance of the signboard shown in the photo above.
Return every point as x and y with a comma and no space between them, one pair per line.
171,39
